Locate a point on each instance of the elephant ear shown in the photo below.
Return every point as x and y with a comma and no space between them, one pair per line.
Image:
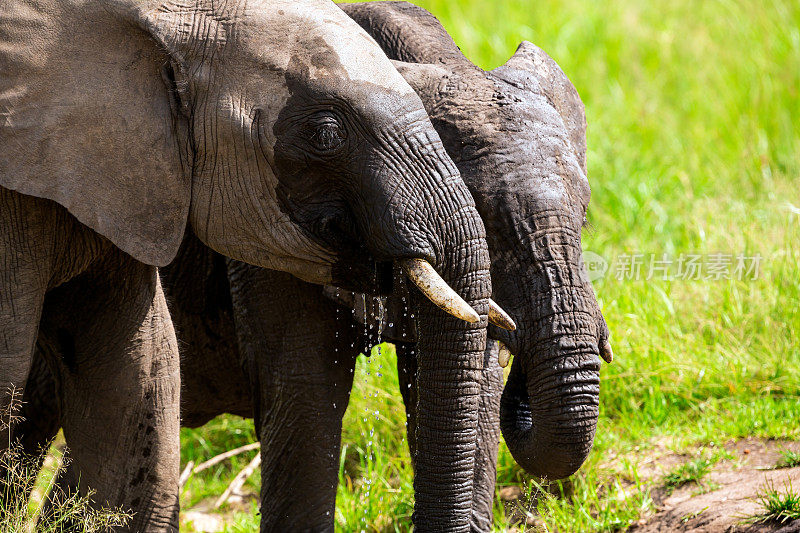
86,121
406,32
530,67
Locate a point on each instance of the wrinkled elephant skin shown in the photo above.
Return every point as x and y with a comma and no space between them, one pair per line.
276,132
523,160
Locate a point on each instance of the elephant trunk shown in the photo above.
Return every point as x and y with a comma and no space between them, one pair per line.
420,215
549,410
550,405
450,359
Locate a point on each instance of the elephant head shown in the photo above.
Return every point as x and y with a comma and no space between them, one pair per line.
517,134
278,130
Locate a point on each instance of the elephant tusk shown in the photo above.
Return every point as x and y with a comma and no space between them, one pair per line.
431,284
606,352
500,318
503,355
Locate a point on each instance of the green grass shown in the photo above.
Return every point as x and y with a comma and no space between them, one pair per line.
692,471
776,505
694,135
218,436
789,459
24,490
598,502
694,514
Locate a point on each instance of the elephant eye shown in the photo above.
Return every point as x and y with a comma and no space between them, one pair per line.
327,133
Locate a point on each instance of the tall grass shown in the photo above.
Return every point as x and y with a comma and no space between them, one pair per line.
30,501
694,143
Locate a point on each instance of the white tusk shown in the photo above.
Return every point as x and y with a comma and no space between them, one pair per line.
606,352
503,355
431,284
500,318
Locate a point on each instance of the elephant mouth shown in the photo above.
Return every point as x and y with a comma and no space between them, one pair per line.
504,353
355,267
360,272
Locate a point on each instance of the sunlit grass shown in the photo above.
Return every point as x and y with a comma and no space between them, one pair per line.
789,459
777,505
694,135
218,436
599,503
692,471
30,502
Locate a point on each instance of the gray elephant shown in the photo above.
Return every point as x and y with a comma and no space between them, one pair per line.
524,161
517,134
279,131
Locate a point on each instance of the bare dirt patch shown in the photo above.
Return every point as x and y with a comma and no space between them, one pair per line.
206,518
726,496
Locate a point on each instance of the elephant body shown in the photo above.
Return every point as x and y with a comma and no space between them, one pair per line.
277,133
295,351
291,370
73,275
262,343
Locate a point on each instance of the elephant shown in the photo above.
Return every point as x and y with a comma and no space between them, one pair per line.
275,132
524,161
518,136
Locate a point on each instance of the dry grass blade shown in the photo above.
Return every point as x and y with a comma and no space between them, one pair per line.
10,414
239,480
221,457
186,474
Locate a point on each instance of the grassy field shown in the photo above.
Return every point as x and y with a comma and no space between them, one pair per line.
694,149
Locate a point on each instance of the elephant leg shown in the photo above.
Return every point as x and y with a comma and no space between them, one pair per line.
19,321
300,360
41,410
491,383
40,418
113,352
26,262
199,296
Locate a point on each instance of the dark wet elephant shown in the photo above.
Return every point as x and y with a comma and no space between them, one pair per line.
518,136
280,134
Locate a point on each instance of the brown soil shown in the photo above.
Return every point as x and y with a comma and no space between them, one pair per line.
204,518
728,494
